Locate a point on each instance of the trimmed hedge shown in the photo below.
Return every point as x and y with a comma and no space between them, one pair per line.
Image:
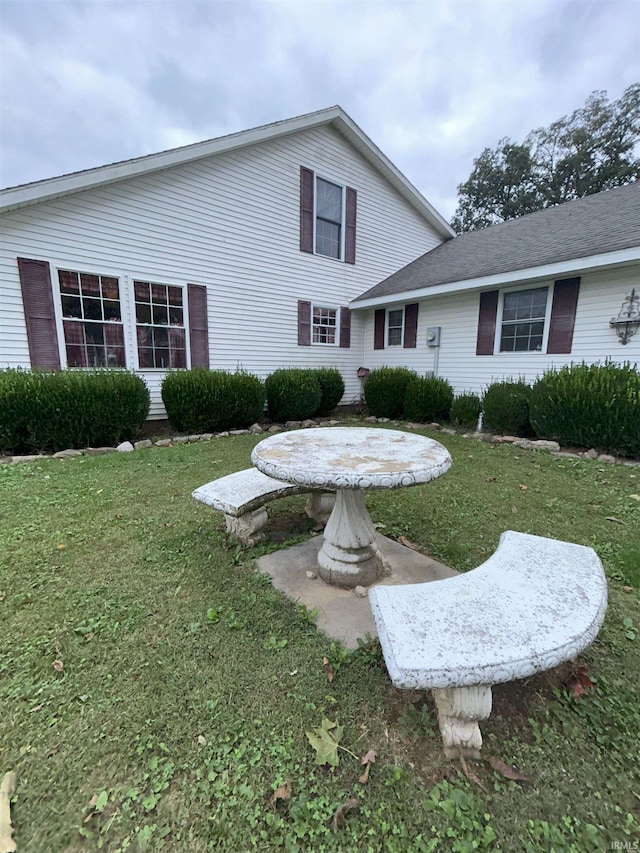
505,407
331,389
465,410
293,394
428,399
69,409
384,390
202,400
589,405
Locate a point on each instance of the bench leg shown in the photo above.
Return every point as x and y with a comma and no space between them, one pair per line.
320,506
246,528
459,710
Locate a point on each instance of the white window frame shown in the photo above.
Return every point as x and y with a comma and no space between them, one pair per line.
159,280
316,306
388,327
547,317
343,202
57,266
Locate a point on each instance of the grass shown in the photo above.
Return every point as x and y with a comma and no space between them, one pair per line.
156,691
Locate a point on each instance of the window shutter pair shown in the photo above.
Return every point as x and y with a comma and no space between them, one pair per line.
410,336
307,185
561,324
304,325
42,334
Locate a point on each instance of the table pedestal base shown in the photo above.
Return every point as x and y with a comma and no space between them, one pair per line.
349,556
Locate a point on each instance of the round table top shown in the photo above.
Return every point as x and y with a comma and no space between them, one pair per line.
351,458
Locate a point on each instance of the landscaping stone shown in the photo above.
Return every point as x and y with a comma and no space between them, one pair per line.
566,454
504,439
605,457
66,454
274,428
222,434
164,442
143,445
25,458
206,436
413,426
181,439
4,460
125,447
293,424
591,454
539,444
448,431
100,451
256,429
239,432
371,420
308,424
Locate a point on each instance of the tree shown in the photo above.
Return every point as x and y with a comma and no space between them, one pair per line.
591,150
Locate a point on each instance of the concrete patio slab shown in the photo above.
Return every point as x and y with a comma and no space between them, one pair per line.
343,614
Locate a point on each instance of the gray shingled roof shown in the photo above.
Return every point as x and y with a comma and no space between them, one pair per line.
605,222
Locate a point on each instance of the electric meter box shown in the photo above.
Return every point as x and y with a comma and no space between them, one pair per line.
433,336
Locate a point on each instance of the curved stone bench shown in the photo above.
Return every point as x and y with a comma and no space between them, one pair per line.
242,497
534,604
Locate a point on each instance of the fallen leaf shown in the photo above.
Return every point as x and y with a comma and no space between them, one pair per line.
7,790
617,520
61,546
367,760
202,740
58,665
324,739
35,708
579,682
341,811
99,491
470,775
635,497
328,671
514,509
491,479
53,750
404,541
627,589
506,770
523,487
281,793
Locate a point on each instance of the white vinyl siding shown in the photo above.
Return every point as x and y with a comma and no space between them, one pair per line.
231,223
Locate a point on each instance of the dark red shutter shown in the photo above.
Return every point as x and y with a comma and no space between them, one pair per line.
198,325
345,328
487,322
39,315
563,315
378,328
306,210
304,324
350,226
410,325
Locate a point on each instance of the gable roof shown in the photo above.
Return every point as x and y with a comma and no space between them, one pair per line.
50,188
591,231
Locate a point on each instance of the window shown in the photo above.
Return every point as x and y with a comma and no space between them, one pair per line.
92,320
325,322
394,327
159,325
523,316
328,219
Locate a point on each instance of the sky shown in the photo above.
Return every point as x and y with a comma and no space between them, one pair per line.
432,82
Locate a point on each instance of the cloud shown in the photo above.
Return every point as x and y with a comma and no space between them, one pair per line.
87,83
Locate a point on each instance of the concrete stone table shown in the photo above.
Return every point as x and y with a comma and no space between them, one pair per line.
350,460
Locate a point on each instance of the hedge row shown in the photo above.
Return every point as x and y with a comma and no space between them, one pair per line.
69,408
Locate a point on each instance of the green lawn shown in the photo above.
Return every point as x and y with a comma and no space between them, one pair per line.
156,691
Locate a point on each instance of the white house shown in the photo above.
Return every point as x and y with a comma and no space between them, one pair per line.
243,251
516,298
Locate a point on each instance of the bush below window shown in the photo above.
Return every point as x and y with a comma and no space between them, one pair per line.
202,400
331,389
384,390
505,407
428,399
293,394
465,410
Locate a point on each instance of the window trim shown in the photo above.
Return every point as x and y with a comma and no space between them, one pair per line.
133,330
388,327
343,203
499,321
336,327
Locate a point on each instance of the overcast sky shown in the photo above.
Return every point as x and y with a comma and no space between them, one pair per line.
432,82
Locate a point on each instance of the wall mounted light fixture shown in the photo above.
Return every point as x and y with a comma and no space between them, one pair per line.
628,319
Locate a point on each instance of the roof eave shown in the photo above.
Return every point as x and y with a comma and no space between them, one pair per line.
622,257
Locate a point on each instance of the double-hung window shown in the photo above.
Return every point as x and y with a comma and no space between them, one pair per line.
329,223
523,318
324,325
395,323
91,319
160,328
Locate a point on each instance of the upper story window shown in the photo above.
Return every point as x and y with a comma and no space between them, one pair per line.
160,329
91,319
523,318
328,219
324,325
395,323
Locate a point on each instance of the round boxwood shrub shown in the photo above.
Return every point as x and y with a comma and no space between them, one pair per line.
384,390
202,400
293,394
589,405
505,407
51,411
465,410
428,399
331,389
